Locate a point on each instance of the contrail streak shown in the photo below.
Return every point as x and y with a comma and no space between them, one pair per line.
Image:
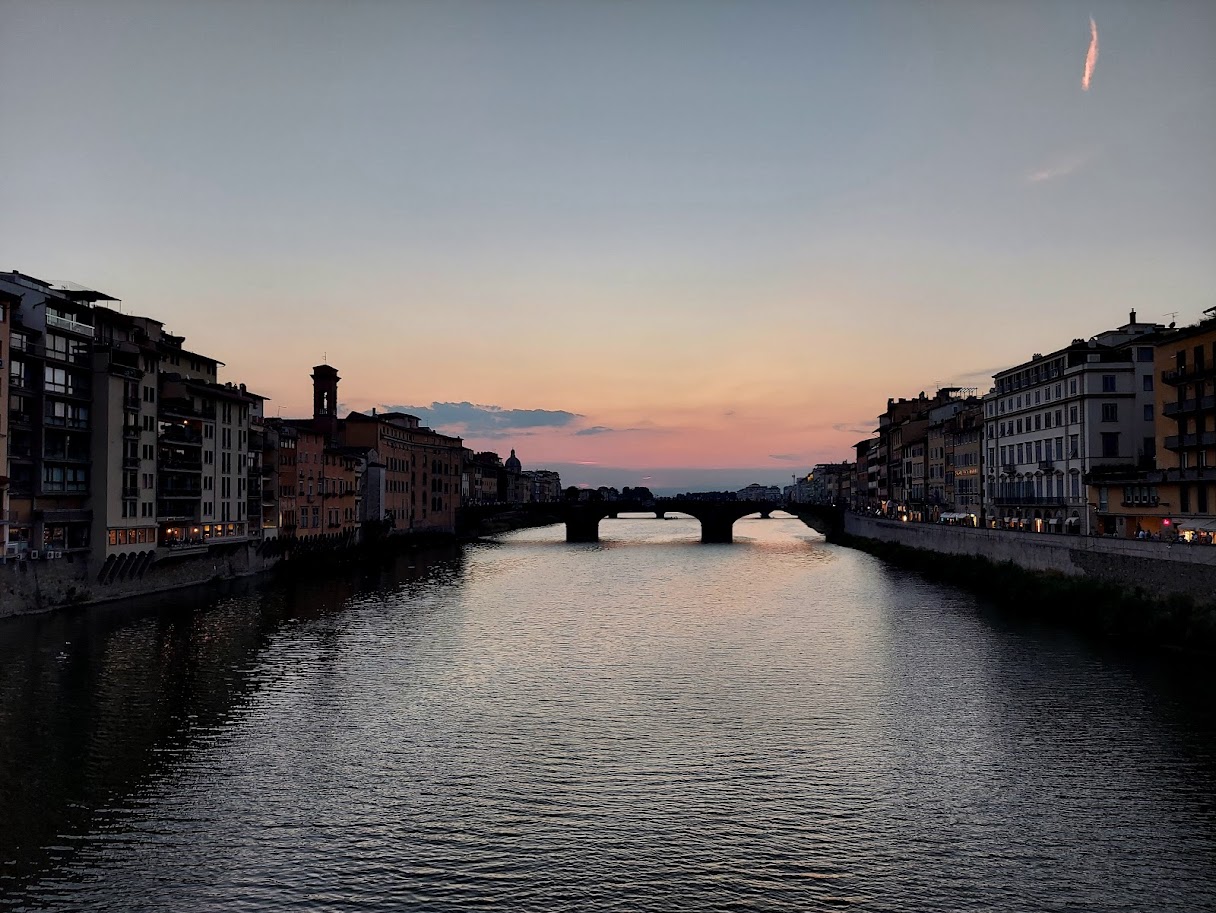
1091,56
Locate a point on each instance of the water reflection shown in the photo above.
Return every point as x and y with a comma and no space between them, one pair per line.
644,724
95,703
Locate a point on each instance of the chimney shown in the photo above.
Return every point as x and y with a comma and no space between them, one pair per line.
1132,317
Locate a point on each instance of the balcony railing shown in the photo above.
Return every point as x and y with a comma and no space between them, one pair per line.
67,456
1187,373
1183,441
130,462
1036,501
183,492
180,465
130,491
1189,405
181,434
59,421
1194,474
72,326
131,402
130,431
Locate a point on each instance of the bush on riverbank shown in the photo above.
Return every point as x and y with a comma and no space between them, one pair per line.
1090,605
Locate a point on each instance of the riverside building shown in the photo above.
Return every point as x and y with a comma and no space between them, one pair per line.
1057,421
124,443
1185,365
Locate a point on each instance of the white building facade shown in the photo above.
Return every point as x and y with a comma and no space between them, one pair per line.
1053,421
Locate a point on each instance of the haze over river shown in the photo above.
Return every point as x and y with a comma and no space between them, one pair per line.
646,724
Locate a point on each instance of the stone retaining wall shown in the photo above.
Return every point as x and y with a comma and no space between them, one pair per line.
38,586
1161,567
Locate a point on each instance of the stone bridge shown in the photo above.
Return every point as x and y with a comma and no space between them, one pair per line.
582,518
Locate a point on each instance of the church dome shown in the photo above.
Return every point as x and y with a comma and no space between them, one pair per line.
513,464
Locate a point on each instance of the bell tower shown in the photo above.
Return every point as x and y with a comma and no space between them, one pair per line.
325,398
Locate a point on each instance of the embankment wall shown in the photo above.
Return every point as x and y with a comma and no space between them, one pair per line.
38,586
1161,567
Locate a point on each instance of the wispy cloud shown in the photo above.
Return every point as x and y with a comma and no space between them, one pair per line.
603,429
786,457
859,427
1061,167
485,421
1091,56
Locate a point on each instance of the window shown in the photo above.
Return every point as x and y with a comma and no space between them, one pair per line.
1110,444
1074,449
1144,353
1148,383
1072,387
1110,412
1108,383
1038,422
1148,412
1072,414
1059,418
56,380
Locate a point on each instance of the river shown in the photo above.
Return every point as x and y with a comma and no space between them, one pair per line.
646,724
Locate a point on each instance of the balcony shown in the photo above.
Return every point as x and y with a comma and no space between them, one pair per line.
130,491
130,462
179,491
1184,441
132,402
178,409
1188,373
1182,407
1035,501
1194,474
130,431
125,371
21,418
178,464
66,456
59,421
1046,465
74,391
72,326
181,434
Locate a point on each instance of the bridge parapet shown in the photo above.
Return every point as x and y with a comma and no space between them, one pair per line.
717,518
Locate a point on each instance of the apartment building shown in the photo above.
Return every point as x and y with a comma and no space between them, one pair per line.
544,485
50,424
422,469
1179,496
8,306
1054,421
122,441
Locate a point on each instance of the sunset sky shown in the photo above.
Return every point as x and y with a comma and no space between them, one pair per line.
629,239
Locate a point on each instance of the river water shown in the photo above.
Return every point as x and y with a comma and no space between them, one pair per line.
643,724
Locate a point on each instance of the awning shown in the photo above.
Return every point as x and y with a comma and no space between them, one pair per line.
1198,526
1052,521
1072,521
954,516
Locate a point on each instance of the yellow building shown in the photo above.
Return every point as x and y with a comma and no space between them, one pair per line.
1185,366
